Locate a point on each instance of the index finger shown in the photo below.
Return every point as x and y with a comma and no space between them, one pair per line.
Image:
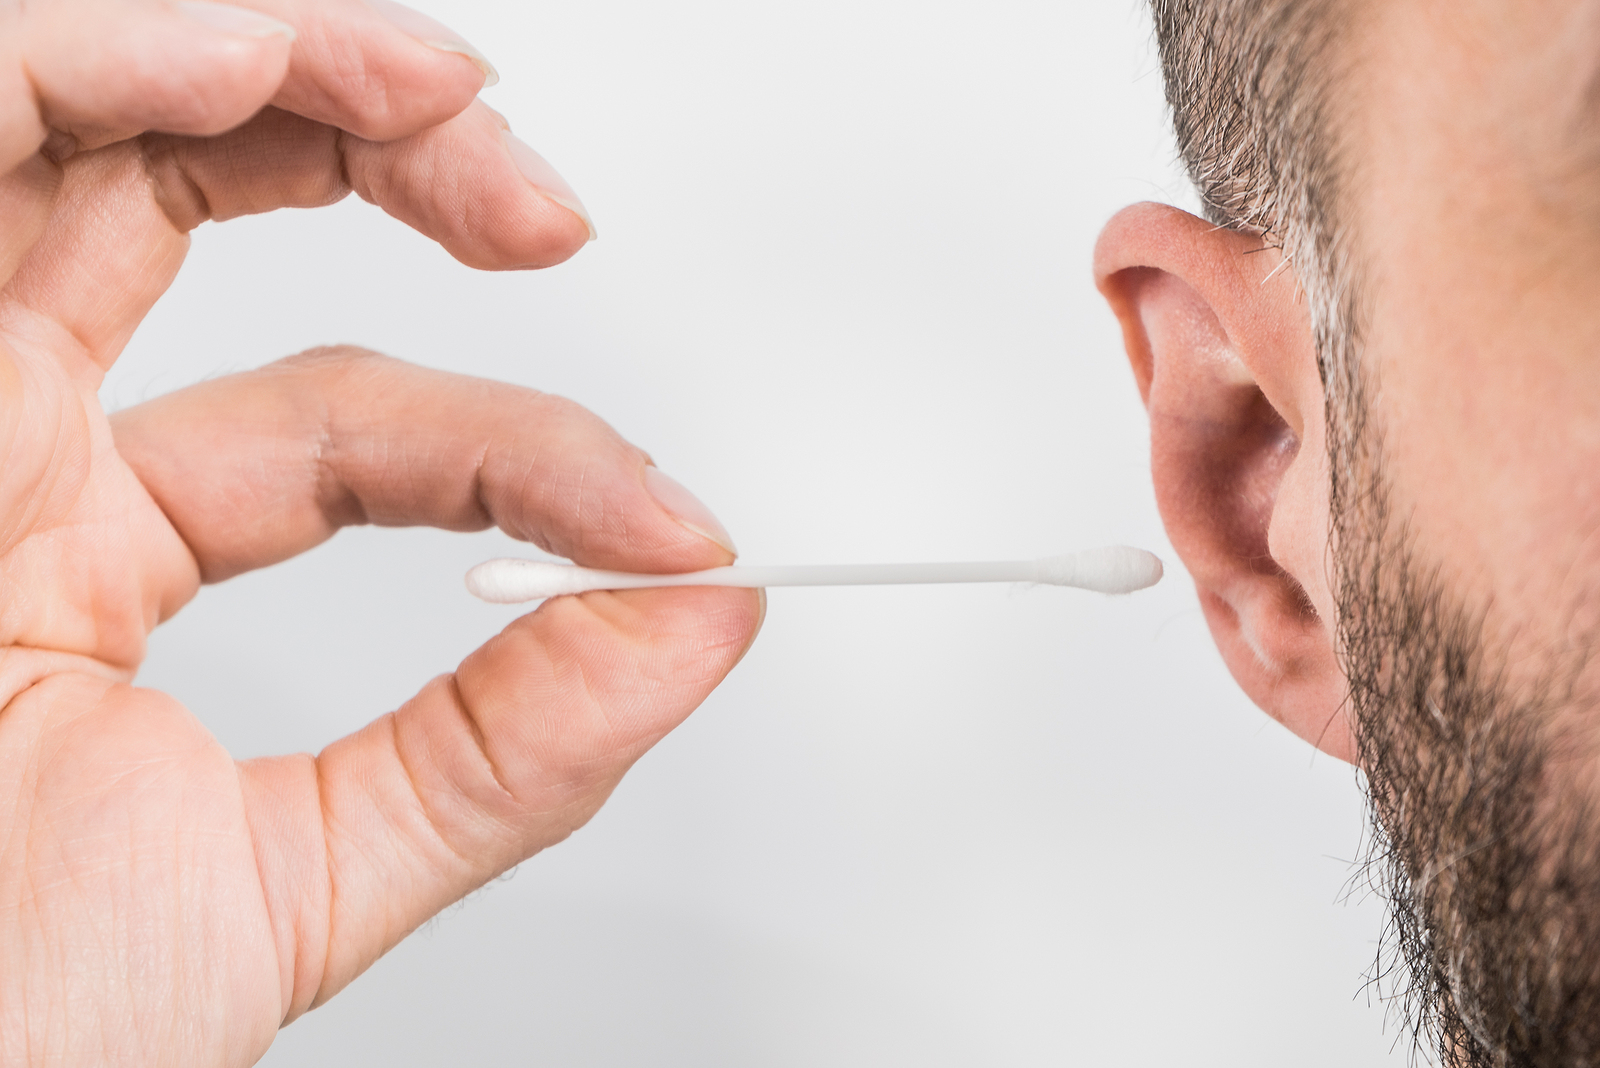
254,468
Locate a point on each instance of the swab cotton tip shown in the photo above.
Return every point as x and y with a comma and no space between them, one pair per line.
1115,569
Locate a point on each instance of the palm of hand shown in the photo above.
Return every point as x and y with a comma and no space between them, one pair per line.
122,813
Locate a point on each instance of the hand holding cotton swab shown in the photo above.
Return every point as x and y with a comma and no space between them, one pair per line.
1115,569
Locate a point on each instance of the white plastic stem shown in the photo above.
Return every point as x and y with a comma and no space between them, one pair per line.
1116,569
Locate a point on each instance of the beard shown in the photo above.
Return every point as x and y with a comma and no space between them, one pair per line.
1483,839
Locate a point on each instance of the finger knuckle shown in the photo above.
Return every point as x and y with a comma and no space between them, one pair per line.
328,365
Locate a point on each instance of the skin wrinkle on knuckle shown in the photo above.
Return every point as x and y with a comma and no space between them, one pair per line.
534,794
180,198
464,481
445,468
314,180
475,730
477,491
341,155
459,814
424,804
290,957
338,506
332,373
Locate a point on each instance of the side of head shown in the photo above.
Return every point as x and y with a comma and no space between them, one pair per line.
1373,378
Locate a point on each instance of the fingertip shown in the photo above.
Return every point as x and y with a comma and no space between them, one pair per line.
692,635
589,682
539,233
688,510
697,618
680,643
535,231
546,181
712,626
490,200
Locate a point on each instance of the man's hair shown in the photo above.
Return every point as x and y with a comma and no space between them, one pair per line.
1247,82
1252,89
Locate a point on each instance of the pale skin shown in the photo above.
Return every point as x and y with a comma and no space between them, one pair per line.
161,903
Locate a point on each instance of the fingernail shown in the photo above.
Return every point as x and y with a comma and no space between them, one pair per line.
435,34
235,20
686,508
544,178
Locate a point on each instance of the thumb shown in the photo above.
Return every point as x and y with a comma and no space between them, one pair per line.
481,770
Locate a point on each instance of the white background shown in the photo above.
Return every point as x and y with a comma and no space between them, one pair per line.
842,291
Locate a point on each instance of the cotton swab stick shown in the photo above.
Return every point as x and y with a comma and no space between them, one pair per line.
1115,569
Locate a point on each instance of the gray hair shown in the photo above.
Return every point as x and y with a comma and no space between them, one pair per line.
1251,85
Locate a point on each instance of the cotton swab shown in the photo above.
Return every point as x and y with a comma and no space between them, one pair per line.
1115,569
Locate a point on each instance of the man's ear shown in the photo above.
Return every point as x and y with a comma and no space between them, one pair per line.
1221,347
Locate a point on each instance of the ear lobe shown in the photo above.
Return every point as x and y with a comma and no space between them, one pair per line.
1222,353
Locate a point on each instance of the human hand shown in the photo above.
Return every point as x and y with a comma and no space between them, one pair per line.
160,903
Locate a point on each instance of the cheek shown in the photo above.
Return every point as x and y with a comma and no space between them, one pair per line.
1490,455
